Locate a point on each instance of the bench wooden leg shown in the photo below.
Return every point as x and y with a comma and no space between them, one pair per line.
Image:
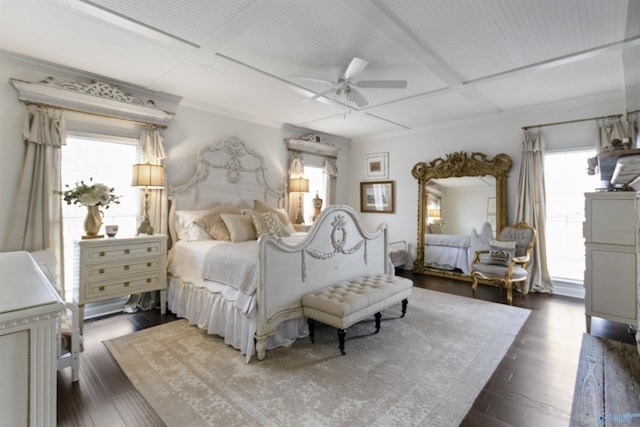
312,328
341,334
404,307
378,316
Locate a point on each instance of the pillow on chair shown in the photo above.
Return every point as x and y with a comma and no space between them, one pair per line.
500,253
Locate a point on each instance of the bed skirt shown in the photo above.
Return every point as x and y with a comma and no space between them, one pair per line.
217,315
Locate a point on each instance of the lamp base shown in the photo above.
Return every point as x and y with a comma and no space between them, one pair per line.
145,228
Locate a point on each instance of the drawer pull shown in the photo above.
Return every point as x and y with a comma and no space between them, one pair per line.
148,264
126,284
149,249
101,288
148,280
126,251
101,253
101,270
126,267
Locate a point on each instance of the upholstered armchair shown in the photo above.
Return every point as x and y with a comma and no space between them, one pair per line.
505,263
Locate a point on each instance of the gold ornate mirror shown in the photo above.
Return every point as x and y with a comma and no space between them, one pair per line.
486,201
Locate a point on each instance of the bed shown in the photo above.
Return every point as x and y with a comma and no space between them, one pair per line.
252,297
448,252
454,252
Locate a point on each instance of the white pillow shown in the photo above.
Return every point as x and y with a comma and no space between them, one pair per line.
186,226
240,227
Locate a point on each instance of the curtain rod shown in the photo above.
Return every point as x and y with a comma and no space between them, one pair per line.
616,116
41,104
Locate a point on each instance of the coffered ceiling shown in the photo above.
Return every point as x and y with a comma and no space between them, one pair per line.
461,58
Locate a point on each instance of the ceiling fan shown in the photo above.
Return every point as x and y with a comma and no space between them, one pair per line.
346,88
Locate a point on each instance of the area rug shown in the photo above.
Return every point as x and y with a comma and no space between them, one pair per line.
424,369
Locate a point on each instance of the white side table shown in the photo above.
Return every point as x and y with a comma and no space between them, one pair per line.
115,267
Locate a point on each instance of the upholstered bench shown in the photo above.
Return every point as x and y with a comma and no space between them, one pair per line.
346,303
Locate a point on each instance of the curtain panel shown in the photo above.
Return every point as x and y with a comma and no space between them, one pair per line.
36,214
153,152
531,207
609,129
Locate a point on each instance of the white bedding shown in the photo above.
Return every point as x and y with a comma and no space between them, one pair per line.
219,308
448,252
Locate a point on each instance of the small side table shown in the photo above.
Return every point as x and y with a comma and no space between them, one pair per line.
115,267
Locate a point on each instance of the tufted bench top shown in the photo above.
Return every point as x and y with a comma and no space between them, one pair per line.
351,296
348,302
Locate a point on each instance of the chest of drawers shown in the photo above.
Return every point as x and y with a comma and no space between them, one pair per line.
114,267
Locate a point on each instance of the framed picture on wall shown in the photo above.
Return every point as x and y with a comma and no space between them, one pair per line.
377,197
376,166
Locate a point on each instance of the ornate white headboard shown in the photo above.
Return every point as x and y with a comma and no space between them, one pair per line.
228,171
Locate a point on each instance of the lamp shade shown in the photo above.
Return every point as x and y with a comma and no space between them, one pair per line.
299,185
148,175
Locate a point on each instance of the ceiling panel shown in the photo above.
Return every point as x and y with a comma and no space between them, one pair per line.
592,76
83,42
350,125
193,21
481,38
430,110
319,39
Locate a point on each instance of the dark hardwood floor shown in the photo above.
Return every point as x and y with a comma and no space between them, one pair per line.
532,386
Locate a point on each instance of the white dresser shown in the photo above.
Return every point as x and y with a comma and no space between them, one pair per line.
611,243
29,312
115,267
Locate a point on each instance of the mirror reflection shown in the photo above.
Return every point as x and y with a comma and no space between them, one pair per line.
461,205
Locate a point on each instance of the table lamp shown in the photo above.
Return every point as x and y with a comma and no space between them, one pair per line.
299,185
148,176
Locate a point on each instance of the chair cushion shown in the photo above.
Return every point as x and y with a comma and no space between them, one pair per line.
498,271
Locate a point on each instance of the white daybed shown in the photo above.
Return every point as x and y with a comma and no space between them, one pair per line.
266,305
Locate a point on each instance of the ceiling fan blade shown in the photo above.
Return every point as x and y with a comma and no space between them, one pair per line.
357,98
383,84
319,95
355,67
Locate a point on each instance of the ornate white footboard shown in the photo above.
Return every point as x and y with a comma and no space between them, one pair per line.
337,248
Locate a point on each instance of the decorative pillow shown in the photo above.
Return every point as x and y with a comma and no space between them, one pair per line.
500,253
268,223
214,225
186,226
262,207
240,227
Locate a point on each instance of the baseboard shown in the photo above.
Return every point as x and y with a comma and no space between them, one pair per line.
568,289
102,308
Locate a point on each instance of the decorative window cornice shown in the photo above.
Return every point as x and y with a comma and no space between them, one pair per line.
93,97
312,144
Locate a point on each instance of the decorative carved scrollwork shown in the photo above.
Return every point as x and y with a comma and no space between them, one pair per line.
338,240
101,89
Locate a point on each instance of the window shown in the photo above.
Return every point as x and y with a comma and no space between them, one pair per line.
317,184
109,161
566,181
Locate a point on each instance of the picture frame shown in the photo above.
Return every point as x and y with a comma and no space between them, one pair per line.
377,196
376,166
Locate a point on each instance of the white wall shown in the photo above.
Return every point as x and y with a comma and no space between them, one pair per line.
493,135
